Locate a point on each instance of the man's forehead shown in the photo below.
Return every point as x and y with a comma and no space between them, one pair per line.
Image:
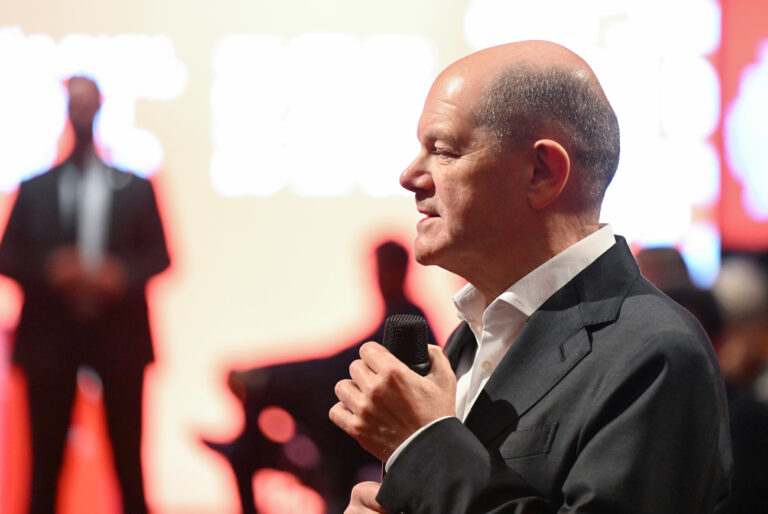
449,100
456,84
438,119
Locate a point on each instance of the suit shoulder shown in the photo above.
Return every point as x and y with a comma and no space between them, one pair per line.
658,312
42,177
124,179
653,328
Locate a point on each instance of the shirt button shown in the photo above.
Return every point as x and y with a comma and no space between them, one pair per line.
486,365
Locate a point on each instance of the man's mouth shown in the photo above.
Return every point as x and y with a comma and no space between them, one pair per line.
427,213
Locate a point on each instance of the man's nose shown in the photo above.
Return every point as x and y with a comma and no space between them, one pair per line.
415,177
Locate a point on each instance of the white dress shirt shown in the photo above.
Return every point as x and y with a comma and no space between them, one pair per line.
497,326
85,199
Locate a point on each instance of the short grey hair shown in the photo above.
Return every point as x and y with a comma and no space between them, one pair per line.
525,103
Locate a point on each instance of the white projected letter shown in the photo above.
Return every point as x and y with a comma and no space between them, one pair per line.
321,114
33,101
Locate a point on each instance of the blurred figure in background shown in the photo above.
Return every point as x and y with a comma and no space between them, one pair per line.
82,241
742,291
391,271
322,456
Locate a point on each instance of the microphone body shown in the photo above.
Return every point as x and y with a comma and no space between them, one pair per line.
406,336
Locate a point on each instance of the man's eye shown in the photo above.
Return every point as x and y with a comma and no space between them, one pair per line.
442,152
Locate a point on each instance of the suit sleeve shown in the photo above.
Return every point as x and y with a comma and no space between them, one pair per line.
19,258
446,470
146,254
649,445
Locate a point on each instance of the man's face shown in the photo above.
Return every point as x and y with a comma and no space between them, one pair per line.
465,187
84,103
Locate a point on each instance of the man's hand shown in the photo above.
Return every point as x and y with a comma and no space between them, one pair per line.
85,292
64,271
385,402
363,499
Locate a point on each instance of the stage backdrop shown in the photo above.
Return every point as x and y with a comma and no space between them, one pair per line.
275,131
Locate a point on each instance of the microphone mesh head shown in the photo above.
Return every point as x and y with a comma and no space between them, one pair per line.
406,337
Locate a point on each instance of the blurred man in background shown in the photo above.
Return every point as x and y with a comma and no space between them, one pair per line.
82,241
305,390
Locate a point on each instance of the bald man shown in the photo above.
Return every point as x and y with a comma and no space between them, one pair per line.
572,384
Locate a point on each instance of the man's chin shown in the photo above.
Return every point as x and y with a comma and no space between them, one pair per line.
426,255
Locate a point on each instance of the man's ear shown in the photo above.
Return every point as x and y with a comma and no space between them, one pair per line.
551,169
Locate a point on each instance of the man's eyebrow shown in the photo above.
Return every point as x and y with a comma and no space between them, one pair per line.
435,134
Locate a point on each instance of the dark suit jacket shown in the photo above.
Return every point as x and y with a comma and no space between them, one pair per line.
47,335
609,401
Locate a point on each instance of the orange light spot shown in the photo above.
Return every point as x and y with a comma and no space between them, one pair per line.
277,424
278,492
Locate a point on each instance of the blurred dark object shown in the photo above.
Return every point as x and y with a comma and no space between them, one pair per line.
742,291
319,454
322,456
749,440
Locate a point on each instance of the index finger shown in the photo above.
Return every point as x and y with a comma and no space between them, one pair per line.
377,357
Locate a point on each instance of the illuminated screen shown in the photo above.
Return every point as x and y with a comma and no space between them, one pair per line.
744,199
275,132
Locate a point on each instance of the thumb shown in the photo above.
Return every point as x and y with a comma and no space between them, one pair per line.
437,357
440,365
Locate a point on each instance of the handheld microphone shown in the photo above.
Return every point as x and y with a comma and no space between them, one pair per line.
406,337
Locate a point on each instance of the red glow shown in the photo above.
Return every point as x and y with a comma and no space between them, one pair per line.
743,29
278,492
277,424
303,452
88,482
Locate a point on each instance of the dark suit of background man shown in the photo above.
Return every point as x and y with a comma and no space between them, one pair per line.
82,241
581,388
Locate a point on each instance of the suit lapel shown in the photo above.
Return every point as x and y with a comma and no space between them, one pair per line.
462,340
48,188
120,205
553,341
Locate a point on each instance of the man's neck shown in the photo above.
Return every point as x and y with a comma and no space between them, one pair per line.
524,258
82,153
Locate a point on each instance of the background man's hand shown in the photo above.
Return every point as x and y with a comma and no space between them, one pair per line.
64,271
86,292
384,402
